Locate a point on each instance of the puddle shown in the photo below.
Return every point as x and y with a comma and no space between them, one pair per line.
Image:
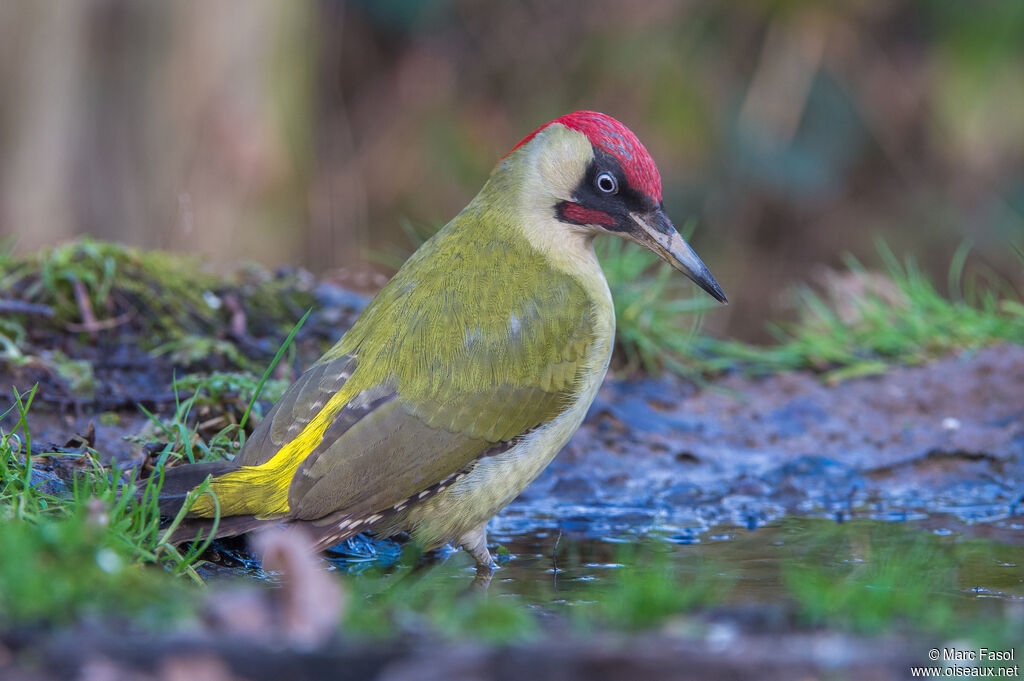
812,527
773,501
793,572
747,488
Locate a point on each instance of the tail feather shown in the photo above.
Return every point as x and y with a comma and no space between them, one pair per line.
180,480
229,526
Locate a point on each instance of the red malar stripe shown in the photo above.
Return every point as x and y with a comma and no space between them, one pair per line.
574,212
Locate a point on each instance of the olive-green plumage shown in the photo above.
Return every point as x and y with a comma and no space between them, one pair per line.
477,340
455,387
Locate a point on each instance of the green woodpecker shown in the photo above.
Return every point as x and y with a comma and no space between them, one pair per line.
471,368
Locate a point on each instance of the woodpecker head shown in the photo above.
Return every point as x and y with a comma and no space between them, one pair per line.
596,177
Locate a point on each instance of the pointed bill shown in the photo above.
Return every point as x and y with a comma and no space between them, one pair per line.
655,232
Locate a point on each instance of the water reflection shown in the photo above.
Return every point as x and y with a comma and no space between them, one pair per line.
863,574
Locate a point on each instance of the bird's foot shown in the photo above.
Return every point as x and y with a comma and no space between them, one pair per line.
475,544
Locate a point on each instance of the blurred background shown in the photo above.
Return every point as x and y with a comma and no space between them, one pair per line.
309,132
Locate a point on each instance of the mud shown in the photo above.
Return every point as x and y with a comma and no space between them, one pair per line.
655,658
660,455
728,472
125,376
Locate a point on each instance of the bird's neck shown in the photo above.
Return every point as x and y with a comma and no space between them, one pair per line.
522,210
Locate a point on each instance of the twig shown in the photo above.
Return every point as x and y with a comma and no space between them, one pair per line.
84,305
21,307
100,324
554,560
238,318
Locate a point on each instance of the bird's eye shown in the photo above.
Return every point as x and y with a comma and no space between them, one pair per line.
606,183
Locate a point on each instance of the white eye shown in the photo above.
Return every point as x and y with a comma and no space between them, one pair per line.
606,183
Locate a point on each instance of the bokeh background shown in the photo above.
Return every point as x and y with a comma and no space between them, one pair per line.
309,132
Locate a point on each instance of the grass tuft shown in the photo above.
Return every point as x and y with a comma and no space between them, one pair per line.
210,423
862,324
898,577
654,589
68,556
408,600
869,321
656,318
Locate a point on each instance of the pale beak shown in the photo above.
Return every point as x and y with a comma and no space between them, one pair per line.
655,232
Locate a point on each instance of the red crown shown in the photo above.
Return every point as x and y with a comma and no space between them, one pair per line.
607,134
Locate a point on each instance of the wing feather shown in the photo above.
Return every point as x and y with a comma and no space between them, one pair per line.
301,402
441,368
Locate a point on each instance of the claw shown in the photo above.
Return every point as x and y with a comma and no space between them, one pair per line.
475,544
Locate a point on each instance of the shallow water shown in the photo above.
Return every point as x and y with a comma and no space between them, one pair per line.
863,573
775,502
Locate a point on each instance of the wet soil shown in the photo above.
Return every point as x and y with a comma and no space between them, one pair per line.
604,657
126,376
752,632
661,455
733,473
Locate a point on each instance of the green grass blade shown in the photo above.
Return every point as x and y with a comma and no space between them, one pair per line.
270,369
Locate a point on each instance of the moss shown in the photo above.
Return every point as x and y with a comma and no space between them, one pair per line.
381,605
63,568
168,302
165,294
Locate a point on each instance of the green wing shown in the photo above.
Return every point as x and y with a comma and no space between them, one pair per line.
469,346
302,401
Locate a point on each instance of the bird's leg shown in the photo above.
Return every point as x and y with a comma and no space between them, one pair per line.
475,544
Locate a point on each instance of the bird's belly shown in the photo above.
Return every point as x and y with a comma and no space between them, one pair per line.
495,480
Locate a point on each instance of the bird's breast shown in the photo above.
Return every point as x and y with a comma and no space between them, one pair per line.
495,480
